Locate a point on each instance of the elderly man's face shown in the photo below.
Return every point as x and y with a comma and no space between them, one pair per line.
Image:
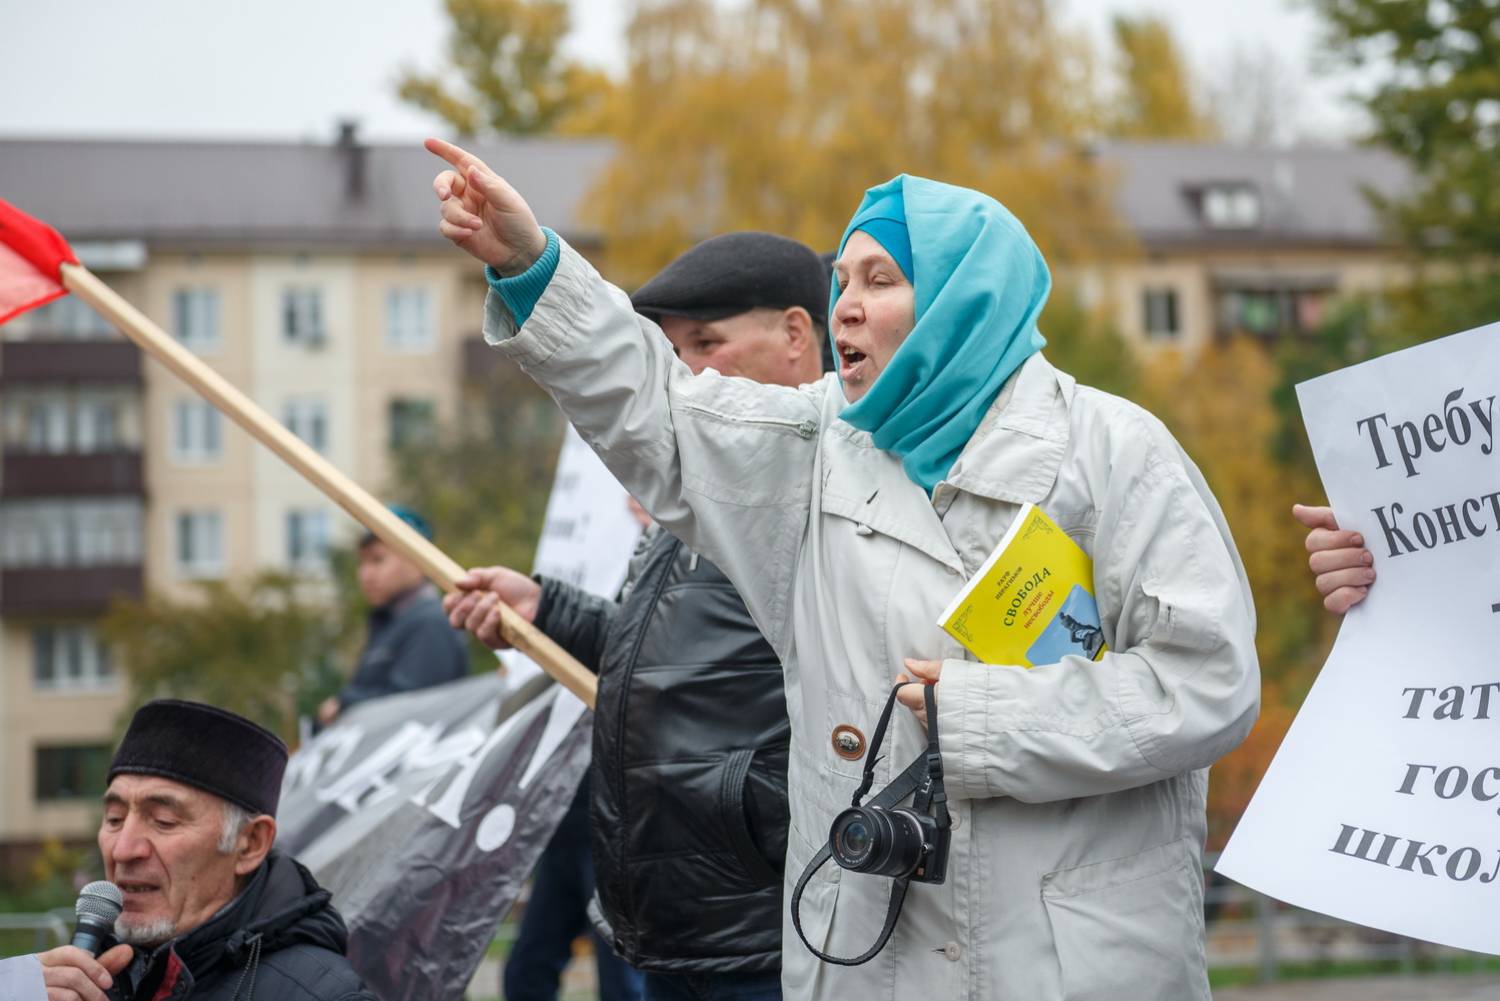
160,842
757,344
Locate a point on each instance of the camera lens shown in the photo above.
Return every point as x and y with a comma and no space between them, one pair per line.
875,840
857,839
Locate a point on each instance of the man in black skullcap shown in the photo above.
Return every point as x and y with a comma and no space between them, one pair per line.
691,735
211,911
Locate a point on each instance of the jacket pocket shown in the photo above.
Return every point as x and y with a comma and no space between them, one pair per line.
1130,927
735,814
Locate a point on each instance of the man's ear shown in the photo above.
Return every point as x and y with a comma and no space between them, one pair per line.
798,327
254,844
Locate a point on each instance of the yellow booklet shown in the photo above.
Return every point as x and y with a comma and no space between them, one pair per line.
1033,600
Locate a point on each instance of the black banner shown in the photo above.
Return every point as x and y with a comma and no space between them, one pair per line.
424,813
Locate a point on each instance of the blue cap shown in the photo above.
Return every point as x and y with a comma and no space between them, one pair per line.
406,514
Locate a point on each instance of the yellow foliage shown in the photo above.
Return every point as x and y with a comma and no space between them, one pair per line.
1157,102
511,75
777,114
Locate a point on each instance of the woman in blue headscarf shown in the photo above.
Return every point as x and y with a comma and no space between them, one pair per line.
849,512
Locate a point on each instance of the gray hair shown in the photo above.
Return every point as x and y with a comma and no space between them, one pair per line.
236,819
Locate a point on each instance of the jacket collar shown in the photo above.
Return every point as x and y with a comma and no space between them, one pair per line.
1017,449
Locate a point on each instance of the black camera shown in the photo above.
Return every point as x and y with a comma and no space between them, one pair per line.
878,837
899,843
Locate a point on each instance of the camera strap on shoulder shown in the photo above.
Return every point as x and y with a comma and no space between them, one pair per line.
923,780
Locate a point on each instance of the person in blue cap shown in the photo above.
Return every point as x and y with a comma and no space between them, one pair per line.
848,513
408,643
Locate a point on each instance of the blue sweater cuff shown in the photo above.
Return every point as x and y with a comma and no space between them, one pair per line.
521,292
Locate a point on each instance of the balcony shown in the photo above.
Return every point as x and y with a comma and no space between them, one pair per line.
75,474
67,590
91,361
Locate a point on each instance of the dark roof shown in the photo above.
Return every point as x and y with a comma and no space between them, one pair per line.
1307,194
249,193
238,193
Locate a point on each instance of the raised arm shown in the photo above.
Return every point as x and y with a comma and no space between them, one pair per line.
725,464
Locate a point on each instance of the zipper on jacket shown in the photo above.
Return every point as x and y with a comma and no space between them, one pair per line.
629,672
803,429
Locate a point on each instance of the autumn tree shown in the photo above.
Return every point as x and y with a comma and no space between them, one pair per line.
777,114
261,647
506,73
1157,99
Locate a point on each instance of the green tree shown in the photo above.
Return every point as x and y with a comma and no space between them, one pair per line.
260,647
1157,98
506,72
1436,104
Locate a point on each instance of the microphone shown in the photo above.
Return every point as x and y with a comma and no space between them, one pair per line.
98,905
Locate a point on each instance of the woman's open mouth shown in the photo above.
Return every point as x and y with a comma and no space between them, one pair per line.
851,362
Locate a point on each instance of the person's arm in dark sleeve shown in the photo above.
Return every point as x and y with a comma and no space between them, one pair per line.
576,620
429,653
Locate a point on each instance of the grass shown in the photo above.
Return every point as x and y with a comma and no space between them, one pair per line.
1240,976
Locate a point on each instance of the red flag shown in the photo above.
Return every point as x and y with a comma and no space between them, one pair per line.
31,258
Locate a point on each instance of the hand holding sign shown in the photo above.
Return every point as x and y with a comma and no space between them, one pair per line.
1381,804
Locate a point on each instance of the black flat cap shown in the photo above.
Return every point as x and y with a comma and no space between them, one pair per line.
732,274
206,748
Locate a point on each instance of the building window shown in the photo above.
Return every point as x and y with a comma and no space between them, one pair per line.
55,421
408,320
1231,206
411,423
68,318
302,317
195,431
1161,314
70,533
200,544
195,318
75,771
307,418
70,658
307,536
46,425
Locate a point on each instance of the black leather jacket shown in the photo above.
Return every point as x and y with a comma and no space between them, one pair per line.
689,763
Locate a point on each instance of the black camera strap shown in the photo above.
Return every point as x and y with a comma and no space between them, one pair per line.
923,780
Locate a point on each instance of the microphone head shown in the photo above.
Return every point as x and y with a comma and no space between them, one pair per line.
100,899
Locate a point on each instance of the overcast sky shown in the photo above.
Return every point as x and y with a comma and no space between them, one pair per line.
289,68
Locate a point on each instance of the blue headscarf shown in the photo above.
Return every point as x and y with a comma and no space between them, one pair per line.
979,283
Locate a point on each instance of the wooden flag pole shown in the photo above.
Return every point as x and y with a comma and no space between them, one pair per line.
292,450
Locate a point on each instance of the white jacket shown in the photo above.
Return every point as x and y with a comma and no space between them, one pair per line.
1078,788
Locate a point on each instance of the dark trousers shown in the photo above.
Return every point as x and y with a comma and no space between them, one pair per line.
713,986
556,914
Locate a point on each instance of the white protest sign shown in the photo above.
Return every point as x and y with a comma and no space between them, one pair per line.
588,534
1382,806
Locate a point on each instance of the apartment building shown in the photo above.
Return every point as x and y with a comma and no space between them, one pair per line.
311,276
1254,241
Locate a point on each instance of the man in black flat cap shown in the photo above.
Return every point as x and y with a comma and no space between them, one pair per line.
210,911
690,731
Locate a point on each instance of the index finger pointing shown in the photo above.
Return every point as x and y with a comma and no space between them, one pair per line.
460,158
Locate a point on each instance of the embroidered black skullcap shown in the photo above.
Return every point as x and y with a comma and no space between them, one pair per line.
728,275
206,748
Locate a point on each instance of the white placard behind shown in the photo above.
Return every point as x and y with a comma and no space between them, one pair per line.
1382,806
588,534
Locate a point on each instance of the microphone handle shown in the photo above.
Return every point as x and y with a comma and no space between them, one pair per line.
91,933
